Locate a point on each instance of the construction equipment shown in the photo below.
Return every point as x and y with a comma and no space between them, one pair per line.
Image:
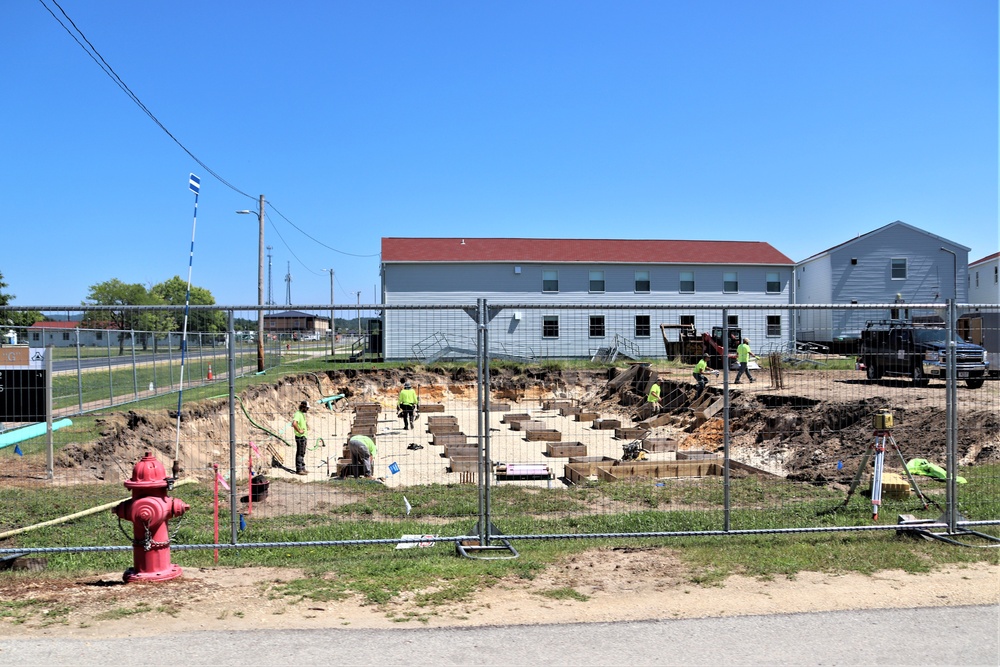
714,347
634,450
681,341
883,423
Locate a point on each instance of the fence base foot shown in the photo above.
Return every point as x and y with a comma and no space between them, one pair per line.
494,549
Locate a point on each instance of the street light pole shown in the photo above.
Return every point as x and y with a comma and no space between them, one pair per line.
260,283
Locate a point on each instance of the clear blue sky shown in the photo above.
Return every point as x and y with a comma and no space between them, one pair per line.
801,124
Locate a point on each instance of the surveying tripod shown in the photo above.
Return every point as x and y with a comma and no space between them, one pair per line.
883,437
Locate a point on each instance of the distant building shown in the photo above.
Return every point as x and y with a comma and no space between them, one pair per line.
295,324
984,281
70,334
897,263
616,281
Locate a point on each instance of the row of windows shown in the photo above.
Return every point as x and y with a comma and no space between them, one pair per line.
977,277
36,336
642,285
550,325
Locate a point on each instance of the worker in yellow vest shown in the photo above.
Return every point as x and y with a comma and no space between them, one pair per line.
407,405
743,355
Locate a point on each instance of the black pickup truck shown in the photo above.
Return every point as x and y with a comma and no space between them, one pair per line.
918,351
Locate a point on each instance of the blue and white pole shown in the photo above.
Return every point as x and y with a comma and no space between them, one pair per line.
194,183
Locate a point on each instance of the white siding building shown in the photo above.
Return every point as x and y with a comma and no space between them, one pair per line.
984,281
616,282
897,263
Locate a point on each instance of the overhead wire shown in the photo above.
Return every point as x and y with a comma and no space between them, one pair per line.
96,56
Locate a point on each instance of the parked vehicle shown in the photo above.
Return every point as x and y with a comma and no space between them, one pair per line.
918,350
983,328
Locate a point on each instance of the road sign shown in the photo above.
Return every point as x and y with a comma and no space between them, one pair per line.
22,395
194,183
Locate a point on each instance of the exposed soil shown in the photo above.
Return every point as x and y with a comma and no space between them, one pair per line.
816,428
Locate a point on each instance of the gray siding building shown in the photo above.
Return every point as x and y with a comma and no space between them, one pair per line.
897,263
615,283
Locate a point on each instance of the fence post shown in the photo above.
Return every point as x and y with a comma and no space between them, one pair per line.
951,417
111,378
79,371
483,428
231,368
135,373
725,420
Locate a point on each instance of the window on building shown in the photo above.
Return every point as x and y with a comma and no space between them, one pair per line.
774,325
642,326
995,275
597,326
550,281
773,283
642,281
899,268
99,335
597,281
65,335
34,335
730,282
687,282
550,326
977,278
687,320
733,320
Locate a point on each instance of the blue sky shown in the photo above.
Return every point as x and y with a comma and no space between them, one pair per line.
801,124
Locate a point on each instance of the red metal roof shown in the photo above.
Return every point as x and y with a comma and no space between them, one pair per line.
630,251
985,259
55,325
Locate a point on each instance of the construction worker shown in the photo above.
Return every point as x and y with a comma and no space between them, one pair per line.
743,355
699,374
654,395
362,450
406,406
301,431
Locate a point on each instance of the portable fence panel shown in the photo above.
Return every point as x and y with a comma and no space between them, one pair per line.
978,413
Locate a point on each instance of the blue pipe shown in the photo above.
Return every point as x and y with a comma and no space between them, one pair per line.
8,438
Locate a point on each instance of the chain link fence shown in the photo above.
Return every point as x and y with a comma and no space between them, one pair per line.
534,422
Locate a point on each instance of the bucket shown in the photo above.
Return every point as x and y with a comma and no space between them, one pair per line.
259,486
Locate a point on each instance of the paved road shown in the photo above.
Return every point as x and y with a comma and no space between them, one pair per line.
935,636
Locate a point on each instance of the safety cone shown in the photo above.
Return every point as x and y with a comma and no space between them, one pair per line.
210,371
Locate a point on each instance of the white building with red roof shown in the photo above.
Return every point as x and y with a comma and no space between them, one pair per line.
568,297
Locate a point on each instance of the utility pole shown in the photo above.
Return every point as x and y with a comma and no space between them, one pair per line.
358,293
288,285
260,282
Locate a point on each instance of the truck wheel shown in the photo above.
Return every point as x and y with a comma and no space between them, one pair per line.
873,372
975,383
919,379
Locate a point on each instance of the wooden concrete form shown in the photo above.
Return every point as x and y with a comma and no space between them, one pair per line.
460,450
654,421
360,408
556,404
561,449
527,425
363,429
570,411
442,419
606,424
547,434
463,463
656,445
584,416
613,471
428,408
443,427
450,439
512,417
695,455
500,407
710,410
630,433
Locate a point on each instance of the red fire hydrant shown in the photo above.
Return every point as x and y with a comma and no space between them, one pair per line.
148,510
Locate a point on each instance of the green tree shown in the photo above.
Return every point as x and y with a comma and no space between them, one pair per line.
15,318
112,295
173,292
